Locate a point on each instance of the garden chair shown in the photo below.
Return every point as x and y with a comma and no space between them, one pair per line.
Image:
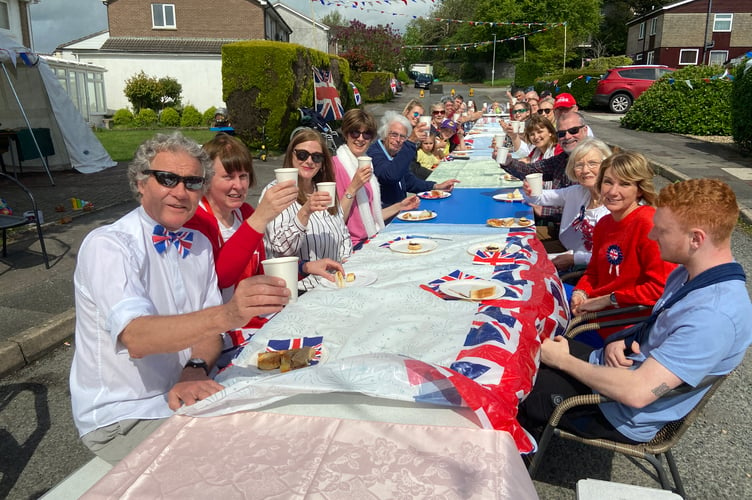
11,221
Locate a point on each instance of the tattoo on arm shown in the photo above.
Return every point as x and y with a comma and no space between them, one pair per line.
660,390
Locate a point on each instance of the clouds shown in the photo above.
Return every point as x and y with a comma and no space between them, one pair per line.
54,22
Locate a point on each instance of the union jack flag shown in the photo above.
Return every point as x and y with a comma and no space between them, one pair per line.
328,103
356,94
297,343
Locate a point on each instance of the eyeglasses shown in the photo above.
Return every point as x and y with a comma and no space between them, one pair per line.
397,135
302,155
170,180
354,134
548,111
570,131
592,165
438,112
415,114
518,111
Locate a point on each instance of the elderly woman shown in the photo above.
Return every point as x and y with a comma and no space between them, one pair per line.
626,266
357,187
391,157
438,113
582,207
309,228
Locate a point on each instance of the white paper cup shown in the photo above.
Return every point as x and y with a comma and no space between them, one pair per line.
520,127
499,139
501,154
535,181
364,161
426,120
329,187
285,268
286,174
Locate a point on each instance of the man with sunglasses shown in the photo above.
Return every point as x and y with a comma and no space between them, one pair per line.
149,313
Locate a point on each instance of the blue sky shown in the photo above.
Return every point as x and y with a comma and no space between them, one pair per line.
58,21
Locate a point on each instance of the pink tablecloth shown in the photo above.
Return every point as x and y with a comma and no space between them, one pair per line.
266,455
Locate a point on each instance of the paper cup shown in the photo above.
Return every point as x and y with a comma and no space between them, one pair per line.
520,127
286,174
285,268
535,181
501,154
499,139
364,161
329,187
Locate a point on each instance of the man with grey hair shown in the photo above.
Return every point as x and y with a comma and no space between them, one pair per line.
149,313
391,156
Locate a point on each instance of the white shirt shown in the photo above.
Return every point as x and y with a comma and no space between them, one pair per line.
325,237
119,277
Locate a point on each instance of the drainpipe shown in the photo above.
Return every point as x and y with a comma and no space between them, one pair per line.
707,32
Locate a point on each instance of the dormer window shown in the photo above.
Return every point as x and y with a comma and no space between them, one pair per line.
163,16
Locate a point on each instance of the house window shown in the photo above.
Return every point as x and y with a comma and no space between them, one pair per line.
688,56
163,15
638,58
717,57
4,17
722,22
642,31
651,58
653,25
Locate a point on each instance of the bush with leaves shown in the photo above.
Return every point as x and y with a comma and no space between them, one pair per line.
145,118
169,117
470,73
691,100
145,91
191,117
741,106
581,84
603,63
208,116
123,118
525,73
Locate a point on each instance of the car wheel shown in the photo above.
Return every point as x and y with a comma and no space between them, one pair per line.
619,103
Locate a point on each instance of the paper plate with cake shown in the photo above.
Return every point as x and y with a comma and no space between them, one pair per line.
413,245
491,247
474,289
510,222
350,279
417,215
434,194
515,195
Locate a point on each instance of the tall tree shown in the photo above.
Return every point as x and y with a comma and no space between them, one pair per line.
369,48
334,18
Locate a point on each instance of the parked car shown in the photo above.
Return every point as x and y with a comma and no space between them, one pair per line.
620,86
423,81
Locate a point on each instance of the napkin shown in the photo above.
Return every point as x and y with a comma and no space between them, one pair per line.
297,343
433,286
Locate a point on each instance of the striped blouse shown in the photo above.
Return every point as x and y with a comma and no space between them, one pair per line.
326,236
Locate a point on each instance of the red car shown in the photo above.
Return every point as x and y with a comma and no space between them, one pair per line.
619,87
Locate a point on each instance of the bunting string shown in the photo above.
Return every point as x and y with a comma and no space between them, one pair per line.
466,46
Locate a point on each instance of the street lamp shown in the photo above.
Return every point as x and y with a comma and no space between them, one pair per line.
493,65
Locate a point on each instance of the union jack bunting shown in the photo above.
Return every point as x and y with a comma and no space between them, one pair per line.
328,103
356,94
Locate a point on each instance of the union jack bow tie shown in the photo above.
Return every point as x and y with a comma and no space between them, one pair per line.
183,240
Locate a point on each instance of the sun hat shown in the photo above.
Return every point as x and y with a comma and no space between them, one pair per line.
564,101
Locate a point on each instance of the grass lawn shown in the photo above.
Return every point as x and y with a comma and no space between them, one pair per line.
121,144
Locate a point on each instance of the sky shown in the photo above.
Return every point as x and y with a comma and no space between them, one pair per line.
58,21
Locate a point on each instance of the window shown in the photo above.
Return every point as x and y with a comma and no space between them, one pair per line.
642,31
4,16
688,56
653,25
718,57
163,15
638,58
722,22
651,58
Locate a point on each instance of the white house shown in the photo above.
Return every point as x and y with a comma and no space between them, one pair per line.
305,31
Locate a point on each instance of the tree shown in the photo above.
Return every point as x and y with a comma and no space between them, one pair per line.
145,91
369,48
333,19
616,14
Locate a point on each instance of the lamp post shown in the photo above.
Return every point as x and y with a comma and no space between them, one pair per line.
493,64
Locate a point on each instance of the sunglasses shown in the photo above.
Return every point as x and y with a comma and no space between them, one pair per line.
548,111
570,131
170,180
302,155
415,114
438,112
354,134
518,111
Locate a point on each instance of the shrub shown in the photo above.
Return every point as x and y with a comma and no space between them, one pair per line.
603,63
208,116
581,84
191,117
469,73
402,76
122,118
741,107
169,117
375,86
145,118
702,107
525,74
145,91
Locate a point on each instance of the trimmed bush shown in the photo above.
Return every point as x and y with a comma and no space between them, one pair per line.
700,107
145,118
375,86
208,117
123,118
191,117
402,76
741,107
525,74
169,117
581,84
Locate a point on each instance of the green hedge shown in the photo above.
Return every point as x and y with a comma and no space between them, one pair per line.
123,118
169,117
191,117
525,74
145,118
741,107
375,86
264,84
702,107
581,84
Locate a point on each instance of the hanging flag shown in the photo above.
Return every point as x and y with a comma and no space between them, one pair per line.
328,103
356,94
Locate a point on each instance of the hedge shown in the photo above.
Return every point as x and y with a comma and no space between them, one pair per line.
375,86
265,82
581,84
741,108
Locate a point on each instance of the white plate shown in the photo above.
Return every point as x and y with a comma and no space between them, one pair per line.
362,278
253,361
401,245
414,214
515,224
456,289
504,197
482,246
427,195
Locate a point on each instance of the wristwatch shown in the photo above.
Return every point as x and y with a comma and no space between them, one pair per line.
612,298
197,363
348,196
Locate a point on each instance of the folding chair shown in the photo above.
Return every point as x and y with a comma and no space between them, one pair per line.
11,221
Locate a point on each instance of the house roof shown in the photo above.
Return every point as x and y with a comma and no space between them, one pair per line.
167,45
280,6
